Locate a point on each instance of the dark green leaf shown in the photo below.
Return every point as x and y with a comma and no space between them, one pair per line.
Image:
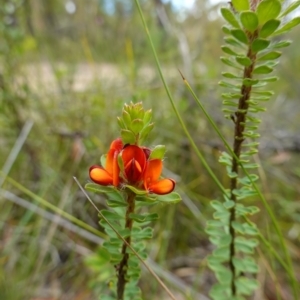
142,234
259,45
249,81
240,35
244,61
240,5
267,10
262,70
230,75
230,17
249,20
111,216
229,51
116,203
135,190
270,56
144,218
288,26
269,27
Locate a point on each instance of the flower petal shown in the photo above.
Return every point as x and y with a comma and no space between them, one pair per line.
162,187
117,145
152,172
134,160
100,176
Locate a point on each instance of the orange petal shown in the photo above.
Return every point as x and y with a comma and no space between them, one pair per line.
153,171
116,169
117,145
162,187
100,176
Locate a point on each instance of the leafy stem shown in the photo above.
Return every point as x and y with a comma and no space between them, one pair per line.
123,266
239,121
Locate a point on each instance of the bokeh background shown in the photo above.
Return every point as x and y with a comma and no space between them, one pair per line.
66,70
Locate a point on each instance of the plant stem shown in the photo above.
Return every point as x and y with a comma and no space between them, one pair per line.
239,120
123,266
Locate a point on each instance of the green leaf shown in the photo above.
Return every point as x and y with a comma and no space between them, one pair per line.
223,275
267,10
281,44
103,160
217,205
229,51
110,190
214,223
246,286
270,56
230,17
230,63
145,131
249,20
143,218
228,85
136,125
222,252
111,216
288,26
262,70
240,5
249,81
245,265
290,8
226,29
260,44
229,204
240,35
214,231
141,234
126,118
128,136
244,61
220,292
230,75
158,152
233,42
116,203
135,190
147,117
169,198
268,28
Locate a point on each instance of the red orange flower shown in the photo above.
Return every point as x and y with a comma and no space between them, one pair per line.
138,170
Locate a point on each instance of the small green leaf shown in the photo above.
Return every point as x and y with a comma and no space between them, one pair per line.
222,252
147,117
244,61
249,81
290,8
217,205
268,28
143,218
135,190
128,136
214,223
136,125
230,17
270,56
259,45
145,131
246,286
141,234
228,85
103,160
126,118
116,203
226,29
158,152
240,5
169,198
220,292
240,35
214,231
262,70
230,63
110,215
249,20
288,26
96,188
223,275
121,123
281,44
233,42
267,10
229,204
230,75
229,51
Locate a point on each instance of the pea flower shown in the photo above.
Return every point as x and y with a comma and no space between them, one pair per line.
135,168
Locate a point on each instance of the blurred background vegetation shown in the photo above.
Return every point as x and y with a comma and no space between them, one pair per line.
66,69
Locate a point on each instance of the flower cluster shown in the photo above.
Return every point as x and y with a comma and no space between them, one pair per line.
131,165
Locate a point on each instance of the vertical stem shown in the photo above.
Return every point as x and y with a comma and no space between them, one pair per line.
122,269
239,120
